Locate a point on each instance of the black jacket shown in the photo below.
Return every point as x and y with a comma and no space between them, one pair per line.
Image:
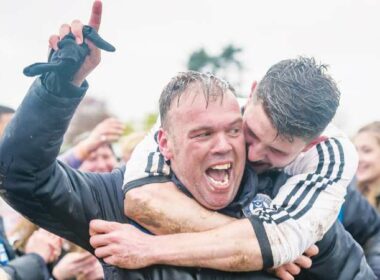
64,200
28,266
363,222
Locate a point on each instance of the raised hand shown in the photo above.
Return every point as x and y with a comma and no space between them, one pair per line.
108,131
75,51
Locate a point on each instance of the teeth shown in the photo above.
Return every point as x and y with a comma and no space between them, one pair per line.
221,166
220,183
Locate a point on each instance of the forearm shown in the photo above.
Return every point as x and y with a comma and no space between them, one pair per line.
233,247
38,128
152,207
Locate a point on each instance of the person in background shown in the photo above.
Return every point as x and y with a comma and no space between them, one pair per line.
41,249
367,142
94,153
128,144
6,113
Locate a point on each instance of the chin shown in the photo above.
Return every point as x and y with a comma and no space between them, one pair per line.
220,203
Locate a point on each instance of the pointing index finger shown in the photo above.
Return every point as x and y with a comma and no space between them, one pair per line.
96,15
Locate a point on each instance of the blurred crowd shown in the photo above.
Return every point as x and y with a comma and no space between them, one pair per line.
29,252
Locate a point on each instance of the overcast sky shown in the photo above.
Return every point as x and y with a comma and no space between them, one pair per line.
154,39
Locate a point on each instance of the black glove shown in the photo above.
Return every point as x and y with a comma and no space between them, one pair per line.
66,61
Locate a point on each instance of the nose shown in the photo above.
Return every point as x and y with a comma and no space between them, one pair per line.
256,152
101,166
222,144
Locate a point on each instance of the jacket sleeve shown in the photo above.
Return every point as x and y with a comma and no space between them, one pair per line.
362,221
29,266
32,181
308,203
339,258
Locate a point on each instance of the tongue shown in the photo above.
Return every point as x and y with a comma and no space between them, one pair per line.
217,175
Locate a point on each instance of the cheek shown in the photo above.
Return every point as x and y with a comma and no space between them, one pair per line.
370,159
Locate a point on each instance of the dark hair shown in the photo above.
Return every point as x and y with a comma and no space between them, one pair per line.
299,97
211,86
6,110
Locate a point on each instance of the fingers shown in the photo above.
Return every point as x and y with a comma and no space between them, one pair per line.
101,226
64,30
96,15
103,252
293,268
99,240
110,260
312,251
85,260
283,274
76,29
303,262
108,130
53,42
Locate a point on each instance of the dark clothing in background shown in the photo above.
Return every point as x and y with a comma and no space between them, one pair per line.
28,266
363,222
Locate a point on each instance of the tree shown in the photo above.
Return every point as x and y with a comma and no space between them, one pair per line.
226,65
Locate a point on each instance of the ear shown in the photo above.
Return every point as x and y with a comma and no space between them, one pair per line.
314,142
164,144
253,89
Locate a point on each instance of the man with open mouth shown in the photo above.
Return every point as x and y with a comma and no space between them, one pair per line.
321,168
202,137
284,123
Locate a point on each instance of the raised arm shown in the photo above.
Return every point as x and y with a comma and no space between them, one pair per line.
106,132
48,192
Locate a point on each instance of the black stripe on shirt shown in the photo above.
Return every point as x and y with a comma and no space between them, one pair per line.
149,163
318,191
161,163
297,187
262,238
312,187
309,176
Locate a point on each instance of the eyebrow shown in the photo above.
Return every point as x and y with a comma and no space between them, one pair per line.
206,127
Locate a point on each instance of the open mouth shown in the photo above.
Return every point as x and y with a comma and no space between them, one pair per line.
219,175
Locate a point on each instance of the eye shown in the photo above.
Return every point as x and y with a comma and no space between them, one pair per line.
202,135
236,131
367,150
277,152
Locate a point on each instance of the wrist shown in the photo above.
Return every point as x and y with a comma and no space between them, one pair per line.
83,149
77,82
